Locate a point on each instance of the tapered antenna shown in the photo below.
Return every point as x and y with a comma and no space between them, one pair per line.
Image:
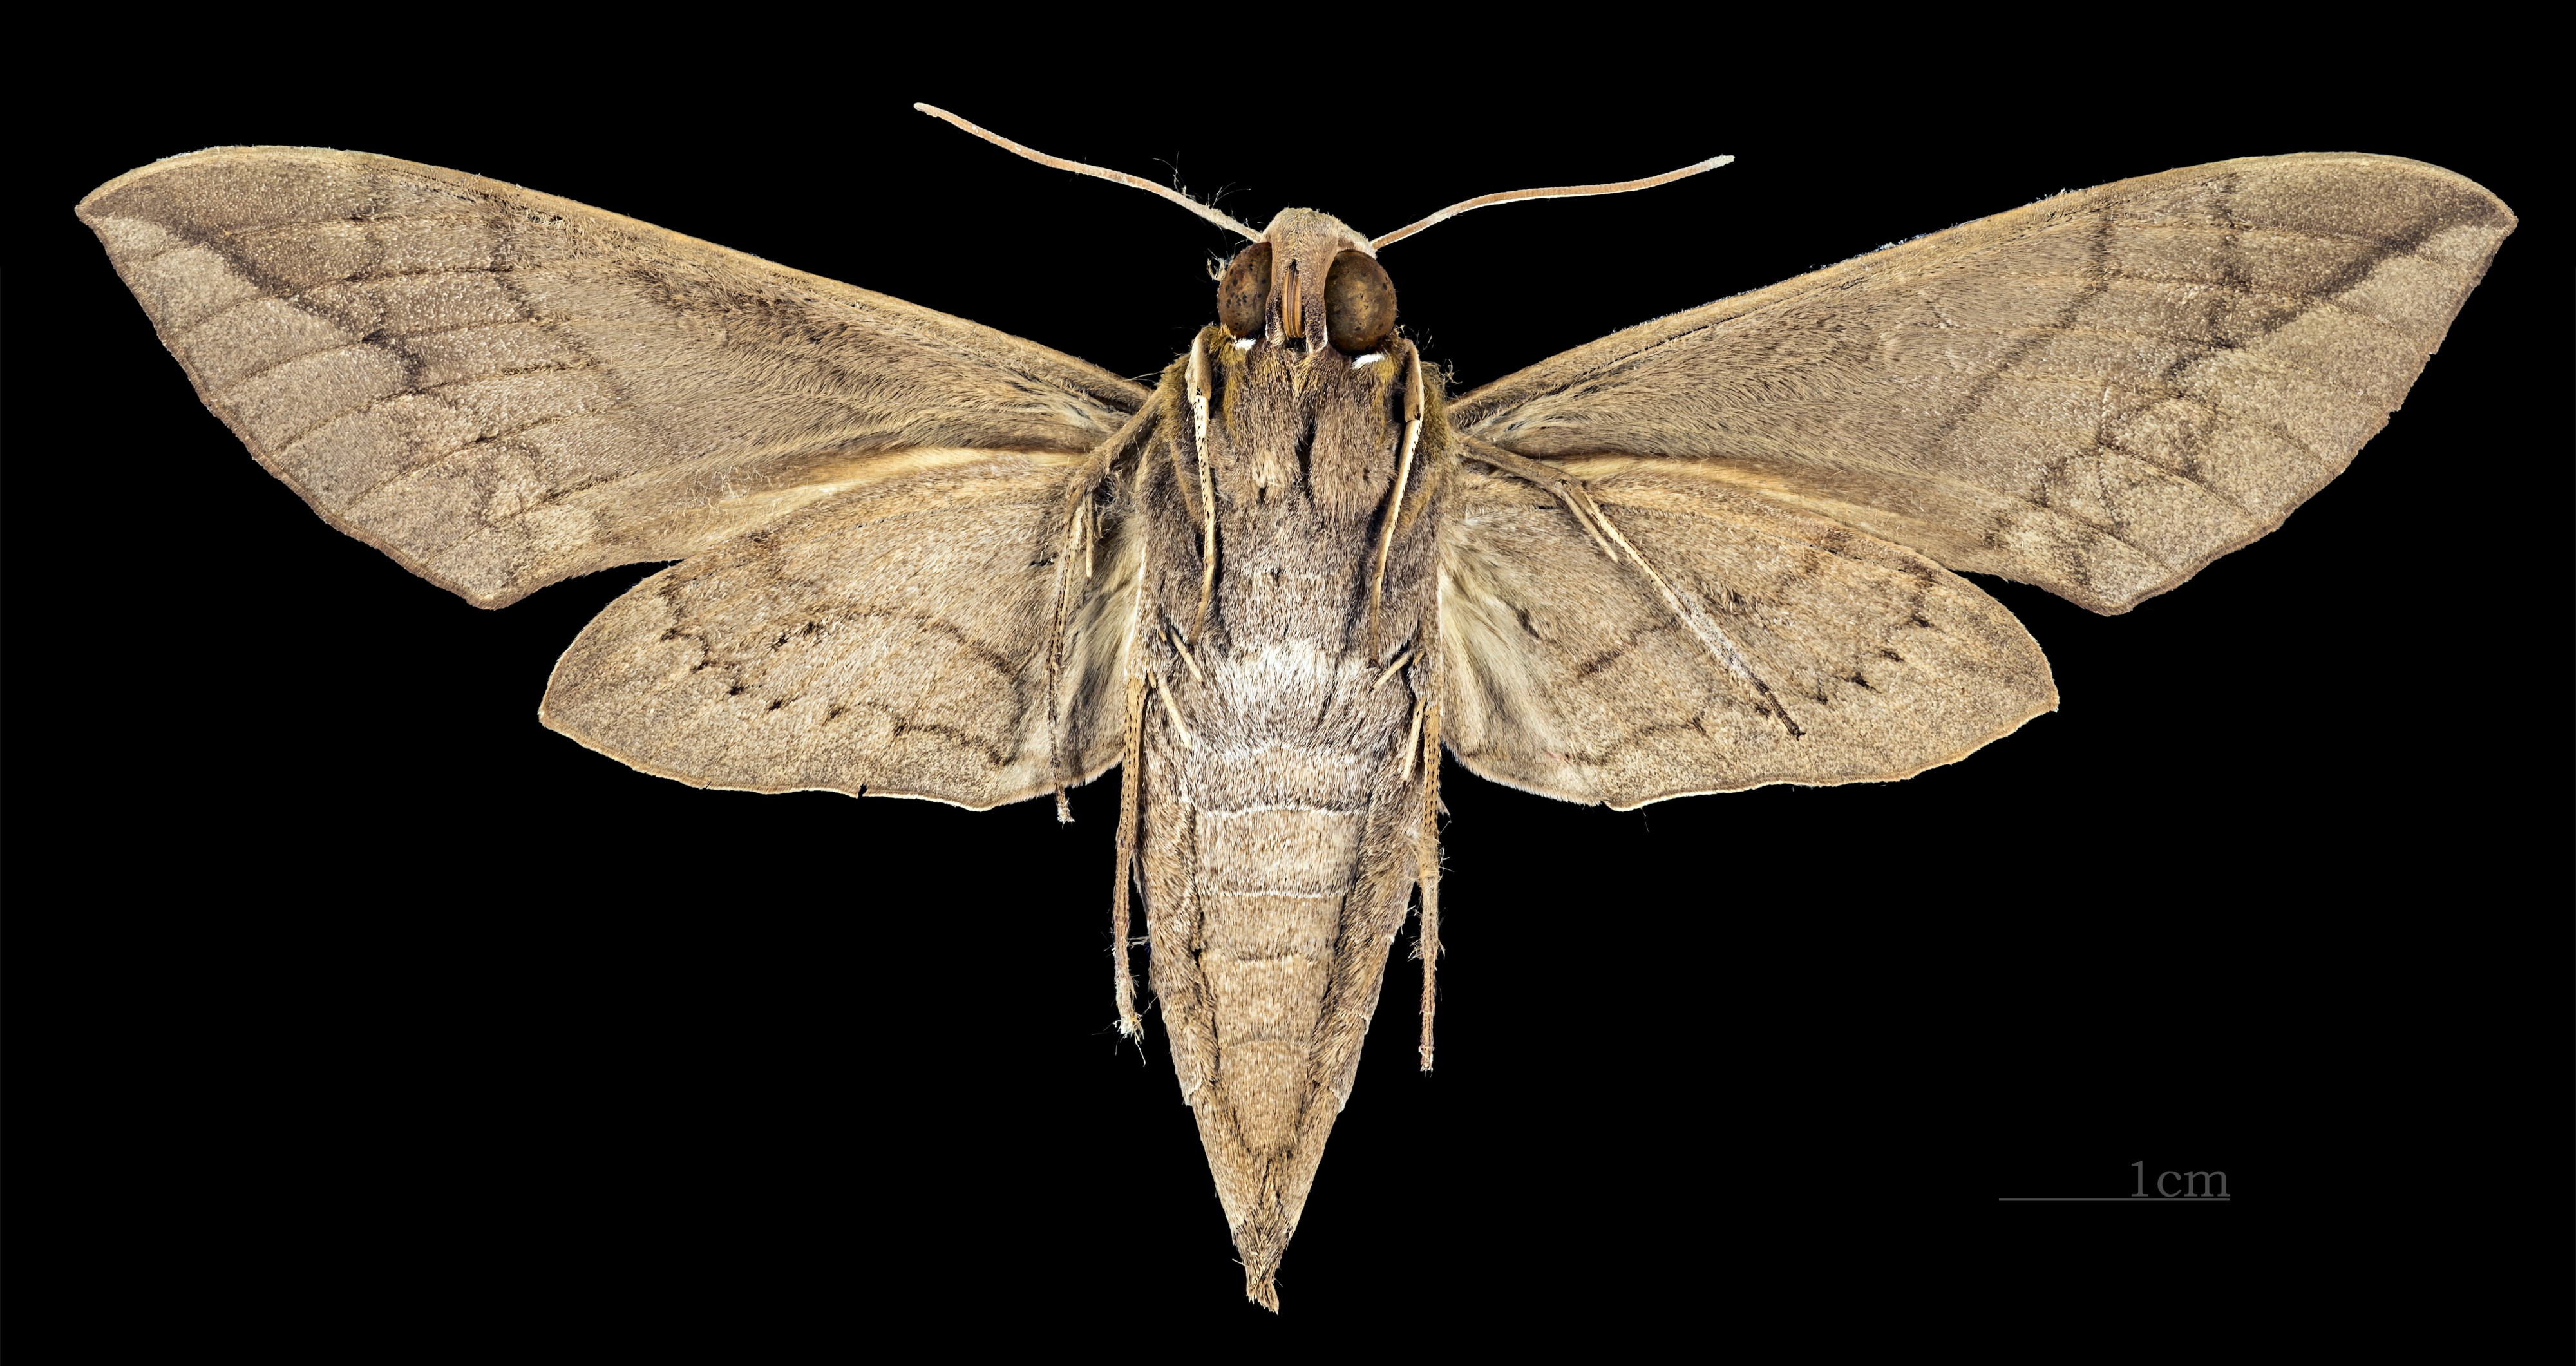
1084,168
1560,192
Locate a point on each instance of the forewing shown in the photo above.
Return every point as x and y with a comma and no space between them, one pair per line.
501,389
889,642
1807,652
2098,393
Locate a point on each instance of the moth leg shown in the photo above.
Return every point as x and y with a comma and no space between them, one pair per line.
1412,743
1395,498
1427,856
1567,489
1172,633
1398,663
1076,518
1082,532
1164,695
1131,783
1207,485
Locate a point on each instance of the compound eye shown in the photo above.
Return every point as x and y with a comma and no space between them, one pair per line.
1243,296
1359,304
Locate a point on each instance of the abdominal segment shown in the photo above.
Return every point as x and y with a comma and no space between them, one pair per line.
1271,886
1269,940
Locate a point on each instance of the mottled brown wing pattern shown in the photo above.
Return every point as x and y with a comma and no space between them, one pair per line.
2098,393
501,389
891,642
1806,652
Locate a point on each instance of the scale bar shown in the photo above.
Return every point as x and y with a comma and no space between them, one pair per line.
2113,1199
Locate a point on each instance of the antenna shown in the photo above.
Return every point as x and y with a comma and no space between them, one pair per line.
1560,192
1083,168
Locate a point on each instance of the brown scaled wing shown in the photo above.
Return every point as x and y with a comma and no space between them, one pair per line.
2098,394
501,389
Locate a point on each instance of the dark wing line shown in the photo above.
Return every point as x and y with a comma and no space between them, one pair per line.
345,252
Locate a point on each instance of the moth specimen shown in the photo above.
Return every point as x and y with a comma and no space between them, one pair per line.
917,557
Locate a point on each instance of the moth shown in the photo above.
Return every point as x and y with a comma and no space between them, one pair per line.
917,557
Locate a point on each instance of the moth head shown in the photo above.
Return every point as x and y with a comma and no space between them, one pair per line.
1312,281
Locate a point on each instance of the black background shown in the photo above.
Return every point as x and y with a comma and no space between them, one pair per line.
352,1008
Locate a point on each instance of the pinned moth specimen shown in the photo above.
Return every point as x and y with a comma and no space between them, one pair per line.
918,557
